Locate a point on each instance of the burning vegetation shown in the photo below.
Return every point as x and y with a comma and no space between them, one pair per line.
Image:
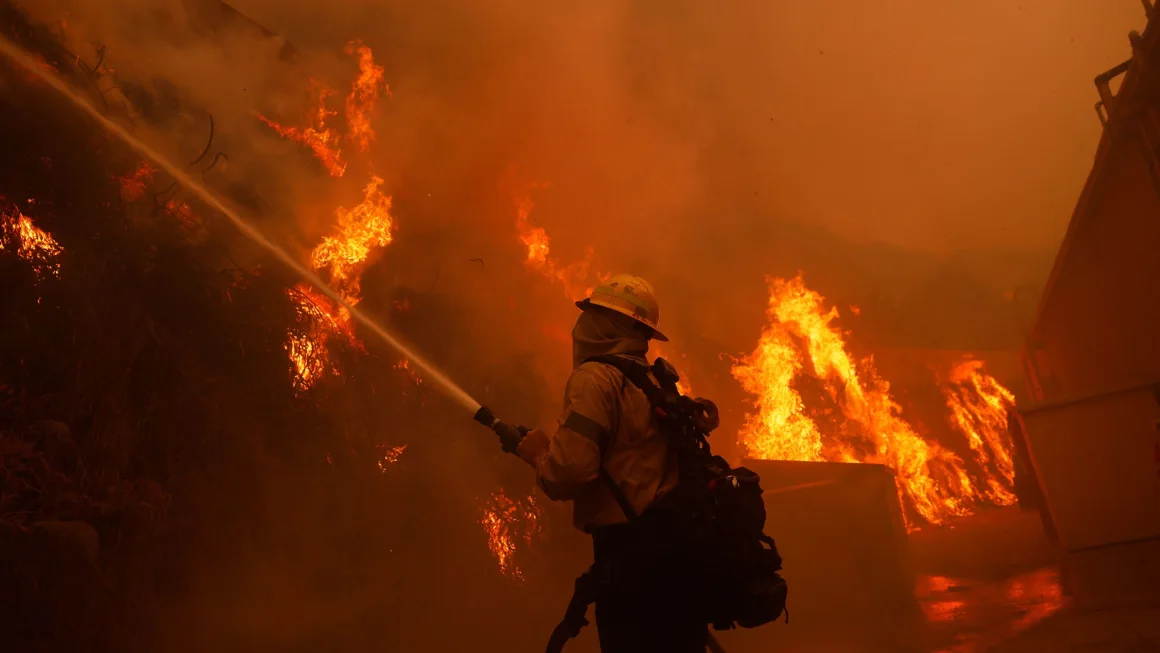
574,277
359,230
29,242
163,387
507,523
316,136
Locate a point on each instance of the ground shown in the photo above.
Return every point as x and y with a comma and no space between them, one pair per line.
994,583
1012,591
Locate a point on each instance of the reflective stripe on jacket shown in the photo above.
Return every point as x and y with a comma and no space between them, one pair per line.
605,417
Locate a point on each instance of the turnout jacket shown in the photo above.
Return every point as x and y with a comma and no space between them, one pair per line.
605,420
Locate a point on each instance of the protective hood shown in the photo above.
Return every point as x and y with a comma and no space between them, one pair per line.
599,334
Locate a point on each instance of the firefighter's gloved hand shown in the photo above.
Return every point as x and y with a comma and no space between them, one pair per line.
509,436
533,446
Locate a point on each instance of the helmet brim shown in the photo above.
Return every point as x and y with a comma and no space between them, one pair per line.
584,304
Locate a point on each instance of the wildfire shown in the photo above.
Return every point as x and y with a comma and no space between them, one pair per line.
360,103
506,522
390,456
307,346
665,351
364,93
864,423
404,365
316,136
133,184
32,243
574,276
359,229
780,430
979,405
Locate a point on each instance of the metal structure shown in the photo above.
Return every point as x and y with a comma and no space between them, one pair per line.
1092,357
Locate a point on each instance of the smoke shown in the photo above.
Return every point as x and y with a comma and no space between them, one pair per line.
675,137
906,155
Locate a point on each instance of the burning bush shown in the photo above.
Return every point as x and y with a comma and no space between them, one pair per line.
181,424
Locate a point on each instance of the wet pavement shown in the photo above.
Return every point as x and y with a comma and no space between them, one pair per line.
1099,601
975,616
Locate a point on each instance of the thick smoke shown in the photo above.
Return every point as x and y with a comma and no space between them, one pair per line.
914,158
680,140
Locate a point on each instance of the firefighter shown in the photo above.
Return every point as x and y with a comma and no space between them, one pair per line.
608,450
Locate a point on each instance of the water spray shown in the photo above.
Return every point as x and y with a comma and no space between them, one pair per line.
508,434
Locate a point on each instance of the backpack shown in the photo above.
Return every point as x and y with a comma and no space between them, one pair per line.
717,510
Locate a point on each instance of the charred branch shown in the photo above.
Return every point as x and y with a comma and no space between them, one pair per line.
208,144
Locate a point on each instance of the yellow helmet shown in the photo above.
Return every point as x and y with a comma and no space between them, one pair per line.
628,295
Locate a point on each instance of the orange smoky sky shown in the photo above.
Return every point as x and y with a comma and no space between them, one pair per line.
925,124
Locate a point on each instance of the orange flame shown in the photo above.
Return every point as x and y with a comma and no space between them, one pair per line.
665,351
360,229
780,429
390,456
315,136
801,337
404,365
307,347
979,406
32,243
364,93
574,276
133,184
506,522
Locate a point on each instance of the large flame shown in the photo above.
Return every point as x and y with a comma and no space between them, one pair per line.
867,425
32,243
506,522
979,406
574,277
359,230
307,345
364,93
316,135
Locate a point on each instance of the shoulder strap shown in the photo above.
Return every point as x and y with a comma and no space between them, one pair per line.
635,372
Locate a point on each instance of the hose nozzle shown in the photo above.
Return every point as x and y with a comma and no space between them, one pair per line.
485,416
509,436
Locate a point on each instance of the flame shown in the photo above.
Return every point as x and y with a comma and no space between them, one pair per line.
364,93
780,429
867,426
316,135
390,456
307,347
979,406
574,276
32,243
133,184
360,229
666,351
404,365
506,522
